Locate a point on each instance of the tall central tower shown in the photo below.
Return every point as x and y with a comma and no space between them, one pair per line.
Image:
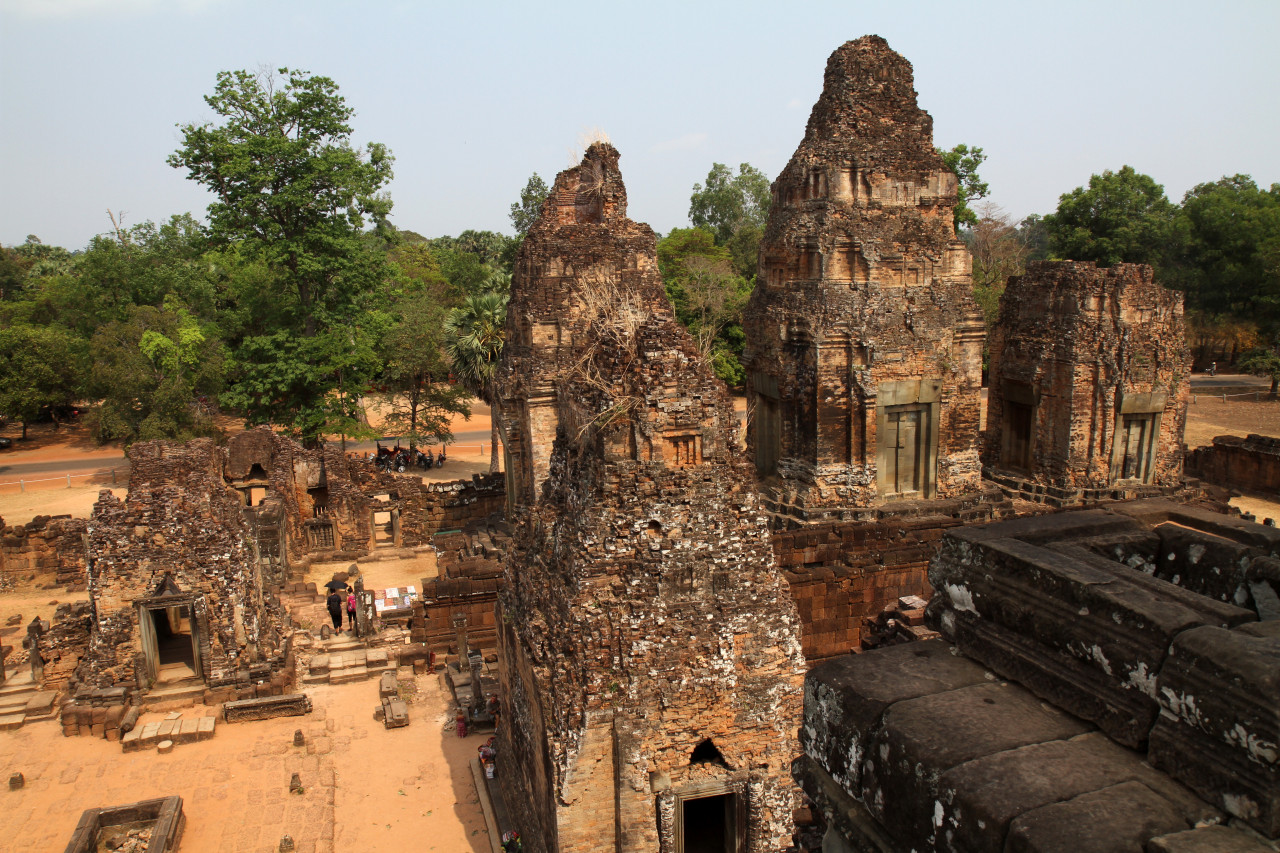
864,343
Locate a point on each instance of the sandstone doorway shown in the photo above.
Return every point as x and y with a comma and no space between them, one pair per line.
904,452
1137,445
170,641
709,824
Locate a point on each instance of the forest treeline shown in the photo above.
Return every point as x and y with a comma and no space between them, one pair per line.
296,302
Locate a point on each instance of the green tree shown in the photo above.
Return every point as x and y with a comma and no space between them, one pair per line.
292,192
475,333
708,295
415,379
40,366
525,212
1229,236
964,161
735,208
1263,361
155,374
1122,217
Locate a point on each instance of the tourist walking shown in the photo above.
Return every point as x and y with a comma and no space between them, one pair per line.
334,603
351,610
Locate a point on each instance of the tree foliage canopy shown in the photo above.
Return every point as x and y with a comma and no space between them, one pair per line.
292,192
1121,217
525,212
964,161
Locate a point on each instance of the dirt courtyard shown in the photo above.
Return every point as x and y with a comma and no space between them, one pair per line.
365,788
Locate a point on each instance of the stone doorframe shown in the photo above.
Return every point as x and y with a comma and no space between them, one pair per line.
200,629
1151,406
924,395
670,808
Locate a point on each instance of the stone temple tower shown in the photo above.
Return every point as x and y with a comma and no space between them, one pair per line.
650,653
864,343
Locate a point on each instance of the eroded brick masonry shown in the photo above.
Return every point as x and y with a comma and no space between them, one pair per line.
1090,373
650,651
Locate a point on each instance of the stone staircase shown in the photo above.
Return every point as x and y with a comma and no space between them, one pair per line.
22,701
342,659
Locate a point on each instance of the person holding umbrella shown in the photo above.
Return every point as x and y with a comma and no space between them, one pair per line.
334,603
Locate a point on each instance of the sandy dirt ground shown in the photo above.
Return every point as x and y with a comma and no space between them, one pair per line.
366,788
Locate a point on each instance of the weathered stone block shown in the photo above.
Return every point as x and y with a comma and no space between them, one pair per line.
395,713
290,705
846,697
1118,819
979,800
1220,730
1208,839
911,751
1082,631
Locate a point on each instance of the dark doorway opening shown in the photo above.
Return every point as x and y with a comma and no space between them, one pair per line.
175,642
708,824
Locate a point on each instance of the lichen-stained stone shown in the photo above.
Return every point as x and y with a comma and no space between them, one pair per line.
649,649
864,343
913,749
981,798
1083,631
1087,397
1208,839
1119,819
845,697
1219,732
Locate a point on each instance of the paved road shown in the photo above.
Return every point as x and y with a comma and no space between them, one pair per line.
12,472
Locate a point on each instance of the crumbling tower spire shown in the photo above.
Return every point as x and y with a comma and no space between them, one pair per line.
650,653
864,343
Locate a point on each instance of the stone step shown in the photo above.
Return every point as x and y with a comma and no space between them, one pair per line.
15,703
10,688
9,722
350,674
41,705
187,691
337,646
316,678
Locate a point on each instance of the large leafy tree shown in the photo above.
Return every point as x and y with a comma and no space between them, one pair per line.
525,212
155,372
293,193
1121,217
40,366
735,208
964,160
475,333
1229,234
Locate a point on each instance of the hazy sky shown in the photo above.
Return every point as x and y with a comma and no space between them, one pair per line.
473,97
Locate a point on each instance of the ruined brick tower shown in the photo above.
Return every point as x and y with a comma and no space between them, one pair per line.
649,650
1089,384
175,578
864,344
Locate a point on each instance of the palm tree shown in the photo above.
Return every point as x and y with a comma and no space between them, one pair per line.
474,335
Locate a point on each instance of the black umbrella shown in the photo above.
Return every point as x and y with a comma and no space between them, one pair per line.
336,584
